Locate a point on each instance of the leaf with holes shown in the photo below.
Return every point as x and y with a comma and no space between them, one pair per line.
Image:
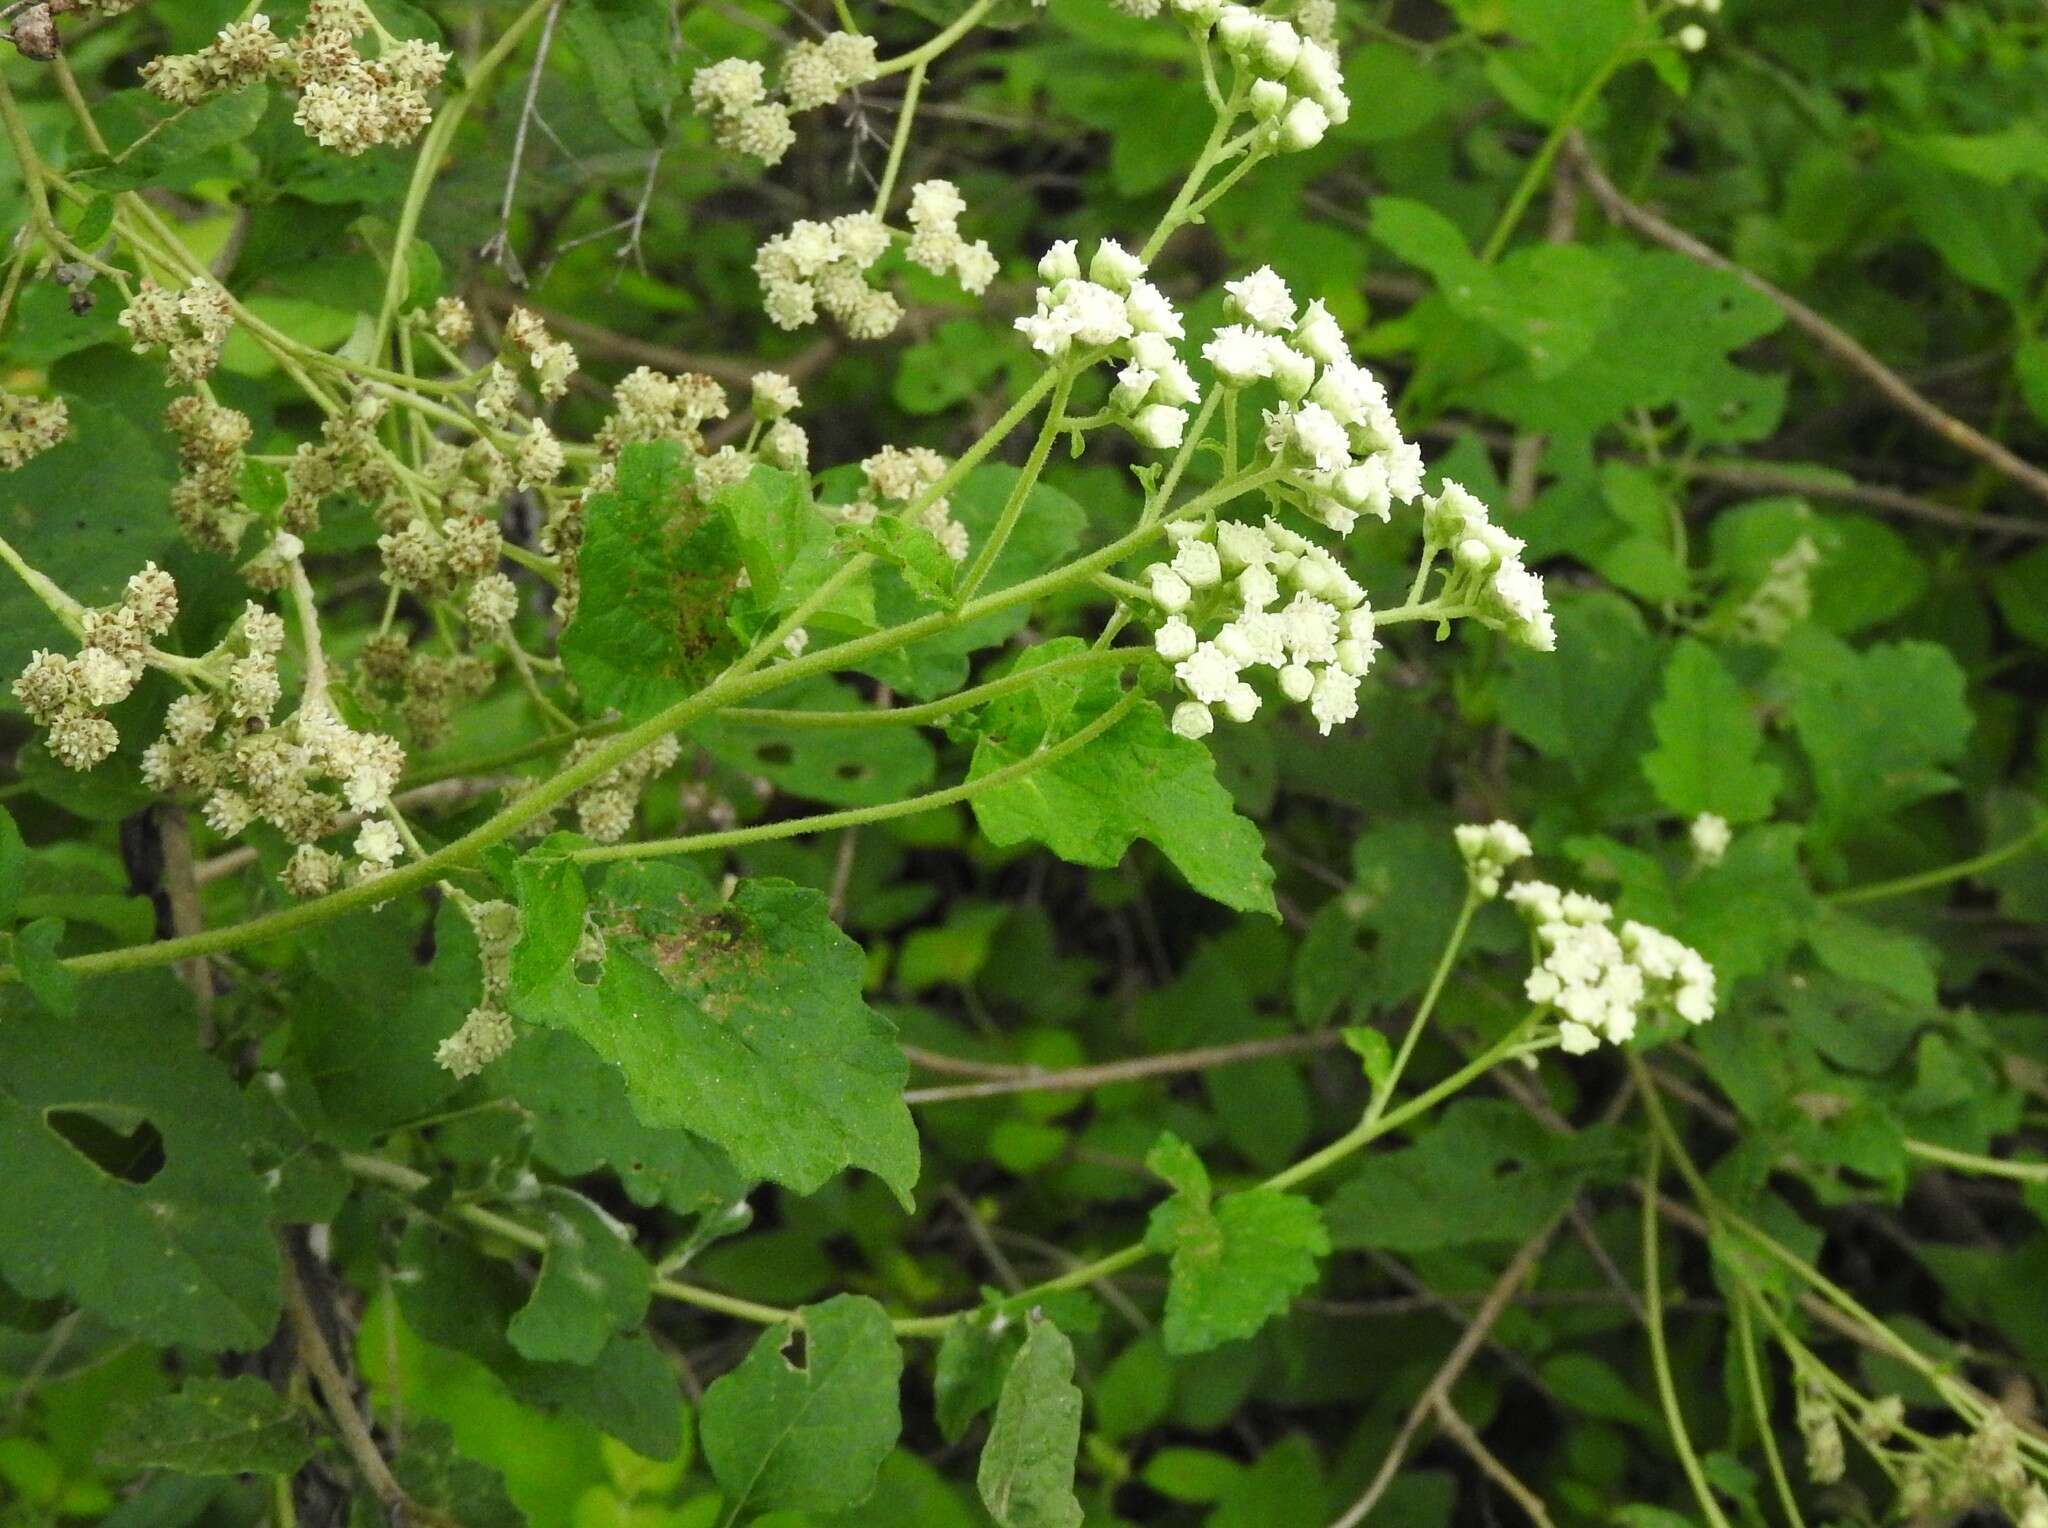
127,1186
807,1431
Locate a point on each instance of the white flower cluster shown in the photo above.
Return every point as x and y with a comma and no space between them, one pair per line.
244,53
1487,575
818,73
1229,580
648,406
1601,980
745,118
552,360
1296,81
733,93
29,427
897,478
487,1031
1488,850
935,242
188,326
69,695
780,440
825,265
1298,89
349,103
604,808
1784,597
1334,428
1692,37
1115,310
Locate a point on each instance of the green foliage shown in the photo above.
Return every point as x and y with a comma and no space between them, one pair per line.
1027,1466
1236,1263
1135,781
742,1022
796,1151
808,1431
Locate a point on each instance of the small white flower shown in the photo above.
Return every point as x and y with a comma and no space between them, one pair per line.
1334,700
1209,673
1174,640
1114,266
1304,126
1170,592
1240,356
1061,263
1198,563
1297,682
1262,298
1319,335
378,844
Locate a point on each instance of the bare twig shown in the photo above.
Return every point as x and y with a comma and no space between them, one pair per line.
334,1390
1434,1394
1759,477
1836,341
181,891
498,248
997,1081
1460,1432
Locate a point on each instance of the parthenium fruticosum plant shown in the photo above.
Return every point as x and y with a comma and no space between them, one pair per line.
1262,446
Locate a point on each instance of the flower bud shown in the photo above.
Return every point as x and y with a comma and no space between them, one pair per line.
1303,127
1269,98
1174,640
1191,719
1115,267
1161,427
1170,592
1242,703
1238,29
1279,48
1293,373
1297,682
1061,263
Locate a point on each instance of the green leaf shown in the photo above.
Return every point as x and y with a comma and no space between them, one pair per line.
1485,1173
13,867
1235,1264
1708,740
1136,780
177,1246
212,1427
1876,725
592,1284
1590,711
807,1432
185,134
914,552
551,900
2021,586
454,1296
583,1121
967,1379
437,1477
743,1022
627,46
47,513
790,548
657,573
1026,1478
42,972
1047,532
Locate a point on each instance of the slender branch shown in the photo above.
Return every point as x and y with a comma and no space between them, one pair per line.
1943,875
1076,1079
1498,1300
1831,338
334,1390
1653,1324
1760,477
1460,1432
